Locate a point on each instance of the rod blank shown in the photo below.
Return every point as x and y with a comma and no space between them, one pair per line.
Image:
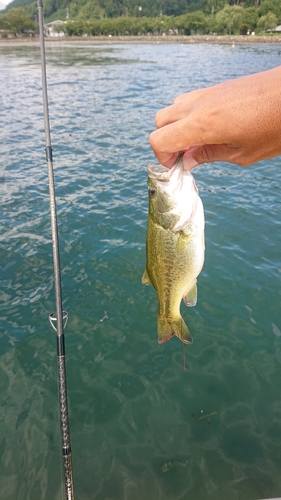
59,315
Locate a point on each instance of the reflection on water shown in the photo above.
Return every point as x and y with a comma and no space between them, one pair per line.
67,55
141,426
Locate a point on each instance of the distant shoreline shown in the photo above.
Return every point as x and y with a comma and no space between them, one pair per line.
222,39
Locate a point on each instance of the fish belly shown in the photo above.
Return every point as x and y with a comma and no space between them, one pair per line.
172,268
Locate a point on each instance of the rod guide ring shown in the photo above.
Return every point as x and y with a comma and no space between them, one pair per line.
53,318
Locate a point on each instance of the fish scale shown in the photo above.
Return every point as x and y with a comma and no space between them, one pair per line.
174,246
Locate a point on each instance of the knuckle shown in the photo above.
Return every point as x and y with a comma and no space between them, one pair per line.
159,119
153,139
243,162
179,99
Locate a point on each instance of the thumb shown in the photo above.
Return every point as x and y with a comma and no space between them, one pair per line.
197,155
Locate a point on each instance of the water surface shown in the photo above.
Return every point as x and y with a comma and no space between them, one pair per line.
135,415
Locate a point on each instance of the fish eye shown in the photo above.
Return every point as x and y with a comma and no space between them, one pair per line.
152,191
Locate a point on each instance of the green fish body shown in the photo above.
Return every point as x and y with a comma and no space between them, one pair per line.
175,245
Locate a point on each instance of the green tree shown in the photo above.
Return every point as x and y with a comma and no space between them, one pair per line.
229,19
74,28
273,6
92,27
251,17
146,25
193,22
120,25
90,10
267,22
173,7
197,21
17,20
211,24
213,6
186,15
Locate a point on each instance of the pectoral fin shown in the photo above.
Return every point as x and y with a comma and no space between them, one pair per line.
183,240
190,298
145,278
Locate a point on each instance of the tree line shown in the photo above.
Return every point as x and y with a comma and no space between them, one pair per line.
229,19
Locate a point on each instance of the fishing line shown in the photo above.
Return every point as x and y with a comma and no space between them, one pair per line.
59,318
184,356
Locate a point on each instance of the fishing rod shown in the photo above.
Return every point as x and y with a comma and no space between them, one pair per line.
58,319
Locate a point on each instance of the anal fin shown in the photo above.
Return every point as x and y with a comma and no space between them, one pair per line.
190,297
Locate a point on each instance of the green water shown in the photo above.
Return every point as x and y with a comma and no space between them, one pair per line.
142,428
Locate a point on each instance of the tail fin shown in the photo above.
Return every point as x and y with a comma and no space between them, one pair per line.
167,329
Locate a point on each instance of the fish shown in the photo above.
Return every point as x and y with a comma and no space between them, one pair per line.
175,245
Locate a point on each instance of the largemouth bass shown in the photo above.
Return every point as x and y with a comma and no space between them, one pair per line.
174,246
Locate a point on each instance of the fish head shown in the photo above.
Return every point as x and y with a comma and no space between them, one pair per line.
173,195
159,200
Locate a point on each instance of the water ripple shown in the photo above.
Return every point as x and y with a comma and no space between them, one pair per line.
134,412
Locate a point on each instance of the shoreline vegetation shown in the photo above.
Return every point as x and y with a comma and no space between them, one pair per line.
177,19
223,39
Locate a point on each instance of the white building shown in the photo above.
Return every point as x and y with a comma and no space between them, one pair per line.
51,31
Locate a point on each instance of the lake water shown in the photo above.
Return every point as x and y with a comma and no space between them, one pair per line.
136,423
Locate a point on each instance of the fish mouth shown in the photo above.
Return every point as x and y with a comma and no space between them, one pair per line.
159,173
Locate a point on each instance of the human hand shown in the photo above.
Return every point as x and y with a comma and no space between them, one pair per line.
238,121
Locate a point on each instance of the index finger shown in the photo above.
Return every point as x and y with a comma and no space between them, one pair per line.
183,104
179,136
